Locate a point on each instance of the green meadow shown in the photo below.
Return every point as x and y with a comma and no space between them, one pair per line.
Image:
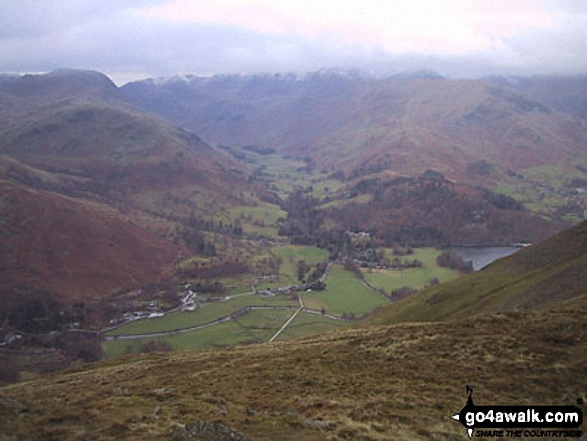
256,326
207,313
344,294
290,255
417,278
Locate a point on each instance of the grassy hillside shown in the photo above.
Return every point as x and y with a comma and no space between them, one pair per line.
391,382
534,277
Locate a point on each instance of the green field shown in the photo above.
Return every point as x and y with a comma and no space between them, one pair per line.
344,294
260,220
206,313
257,326
544,190
309,324
285,175
290,255
417,278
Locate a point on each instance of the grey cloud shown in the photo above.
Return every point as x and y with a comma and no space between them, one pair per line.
114,38
34,18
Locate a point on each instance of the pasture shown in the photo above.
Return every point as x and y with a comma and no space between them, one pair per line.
344,294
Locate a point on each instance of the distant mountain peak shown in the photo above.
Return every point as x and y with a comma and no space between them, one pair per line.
63,82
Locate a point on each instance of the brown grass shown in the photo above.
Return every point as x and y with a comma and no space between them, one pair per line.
391,382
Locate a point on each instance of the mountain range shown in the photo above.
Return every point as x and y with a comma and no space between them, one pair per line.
469,130
106,189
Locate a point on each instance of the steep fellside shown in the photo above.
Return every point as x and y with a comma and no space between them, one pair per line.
61,250
565,93
96,194
78,125
534,277
432,211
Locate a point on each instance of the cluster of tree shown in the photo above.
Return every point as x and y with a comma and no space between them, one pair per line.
313,275
215,270
215,226
481,168
447,259
369,169
208,287
318,272
318,285
195,241
402,292
264,151
501,200
302,268
403,251
38,312
267,266
303,222
397,263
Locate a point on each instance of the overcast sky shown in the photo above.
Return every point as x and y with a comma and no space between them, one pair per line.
129,39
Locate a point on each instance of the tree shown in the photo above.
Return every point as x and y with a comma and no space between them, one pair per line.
302,270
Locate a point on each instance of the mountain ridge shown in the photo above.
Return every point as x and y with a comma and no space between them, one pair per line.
408,125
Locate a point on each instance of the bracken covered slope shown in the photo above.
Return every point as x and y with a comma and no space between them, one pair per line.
92,191
76,251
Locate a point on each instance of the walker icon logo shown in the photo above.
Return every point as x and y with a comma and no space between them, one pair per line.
511,420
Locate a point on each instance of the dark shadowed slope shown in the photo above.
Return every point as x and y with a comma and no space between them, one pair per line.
565,93
72,251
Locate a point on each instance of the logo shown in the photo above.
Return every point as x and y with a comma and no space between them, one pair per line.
519,421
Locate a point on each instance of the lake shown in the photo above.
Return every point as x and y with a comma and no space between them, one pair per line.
483,256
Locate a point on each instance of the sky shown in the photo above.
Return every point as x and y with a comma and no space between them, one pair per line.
132,39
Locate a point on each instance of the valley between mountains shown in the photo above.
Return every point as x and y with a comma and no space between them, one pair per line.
274,257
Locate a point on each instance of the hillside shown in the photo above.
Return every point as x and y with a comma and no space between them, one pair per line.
373,382
533,278
430,210
391,382
57,250
367,125
565,93
97,196
77,124
105,208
